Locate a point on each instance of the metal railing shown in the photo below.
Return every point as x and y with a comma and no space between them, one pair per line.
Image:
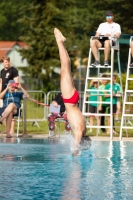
51,95
34,111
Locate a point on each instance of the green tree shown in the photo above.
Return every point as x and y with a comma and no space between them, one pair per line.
38,22
9,14
78,20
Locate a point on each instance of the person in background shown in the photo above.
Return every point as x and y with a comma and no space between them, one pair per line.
118,109
11,103
93,107
106,29
131,46
8,73
116,92
102,106
52,116
70,95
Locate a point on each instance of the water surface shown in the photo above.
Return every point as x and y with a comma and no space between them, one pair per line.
33,169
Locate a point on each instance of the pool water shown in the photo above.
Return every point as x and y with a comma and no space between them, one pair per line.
32,169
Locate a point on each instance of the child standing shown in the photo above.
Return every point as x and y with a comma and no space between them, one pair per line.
93,107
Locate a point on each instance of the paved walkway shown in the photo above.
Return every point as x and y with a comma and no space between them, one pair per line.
99,138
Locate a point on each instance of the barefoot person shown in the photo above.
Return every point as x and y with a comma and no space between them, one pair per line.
69,93
8,73
11,103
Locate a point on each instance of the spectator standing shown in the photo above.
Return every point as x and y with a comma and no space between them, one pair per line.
131,46
93,107
102,107
116,92
7,73
118,109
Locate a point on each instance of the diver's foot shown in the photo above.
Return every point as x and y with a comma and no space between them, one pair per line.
58,35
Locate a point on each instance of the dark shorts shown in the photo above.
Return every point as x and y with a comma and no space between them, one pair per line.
103,109
92,109
114,108
16,115
102,41
3,108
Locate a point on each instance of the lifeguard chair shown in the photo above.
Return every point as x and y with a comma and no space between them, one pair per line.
114,48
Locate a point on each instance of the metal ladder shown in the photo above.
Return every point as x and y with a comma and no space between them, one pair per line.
88,78
126,102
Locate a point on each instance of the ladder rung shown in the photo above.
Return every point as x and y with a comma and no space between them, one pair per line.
96,114
100,66
113,47
127,127
98,102
102,48
97,90
129,103
130,79
96,126
127,115
129,90
98,78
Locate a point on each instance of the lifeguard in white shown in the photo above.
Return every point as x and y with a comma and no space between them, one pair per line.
107,29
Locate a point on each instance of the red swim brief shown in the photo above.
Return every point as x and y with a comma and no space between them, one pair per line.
74,99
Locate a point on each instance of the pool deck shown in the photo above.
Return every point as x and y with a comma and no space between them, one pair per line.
94,138
99,138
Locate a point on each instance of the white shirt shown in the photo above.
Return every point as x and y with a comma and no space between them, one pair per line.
111,29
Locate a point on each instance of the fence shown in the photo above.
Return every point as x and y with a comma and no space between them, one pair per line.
51,95
36,113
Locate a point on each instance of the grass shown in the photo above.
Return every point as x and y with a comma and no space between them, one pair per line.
36,112
32,128
117,123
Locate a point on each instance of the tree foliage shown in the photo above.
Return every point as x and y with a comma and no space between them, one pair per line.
37,33
9,14
77,19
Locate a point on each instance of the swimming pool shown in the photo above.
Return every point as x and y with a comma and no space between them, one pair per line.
45,169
